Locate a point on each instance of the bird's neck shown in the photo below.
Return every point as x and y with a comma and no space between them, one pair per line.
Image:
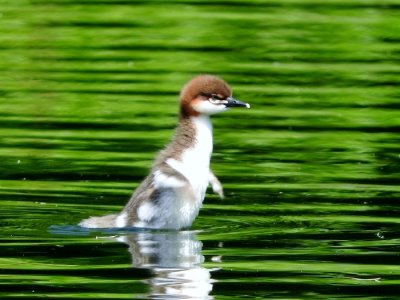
195,134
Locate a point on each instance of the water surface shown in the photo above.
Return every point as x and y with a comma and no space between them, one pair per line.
88,93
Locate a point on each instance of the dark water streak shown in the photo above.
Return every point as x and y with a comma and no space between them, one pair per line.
88,93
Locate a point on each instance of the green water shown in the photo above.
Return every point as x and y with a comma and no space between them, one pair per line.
88,93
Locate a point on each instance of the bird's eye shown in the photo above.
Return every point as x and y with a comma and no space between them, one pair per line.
216,97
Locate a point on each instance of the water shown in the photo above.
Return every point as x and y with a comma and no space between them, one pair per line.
311,172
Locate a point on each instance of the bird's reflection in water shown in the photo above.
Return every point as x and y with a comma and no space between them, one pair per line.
175,259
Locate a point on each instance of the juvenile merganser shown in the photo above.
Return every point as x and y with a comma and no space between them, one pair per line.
171,195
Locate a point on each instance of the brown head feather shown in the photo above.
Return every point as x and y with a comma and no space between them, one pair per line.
201,87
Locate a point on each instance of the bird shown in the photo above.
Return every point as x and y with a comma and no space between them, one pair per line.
172,194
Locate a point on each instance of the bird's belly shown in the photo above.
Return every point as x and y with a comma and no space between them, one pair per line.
173,209
199,182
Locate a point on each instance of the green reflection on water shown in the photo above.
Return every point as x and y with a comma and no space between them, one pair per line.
88,93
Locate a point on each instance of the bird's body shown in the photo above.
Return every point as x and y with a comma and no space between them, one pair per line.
171,196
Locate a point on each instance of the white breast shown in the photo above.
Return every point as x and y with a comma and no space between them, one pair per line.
195,161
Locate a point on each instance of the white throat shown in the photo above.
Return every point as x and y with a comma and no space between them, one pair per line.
204,138
194,163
